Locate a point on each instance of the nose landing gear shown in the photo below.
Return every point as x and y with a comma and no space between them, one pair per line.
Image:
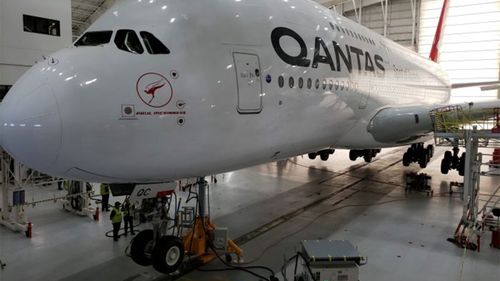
417,153
187,232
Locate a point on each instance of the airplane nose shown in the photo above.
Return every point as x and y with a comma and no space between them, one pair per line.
31,125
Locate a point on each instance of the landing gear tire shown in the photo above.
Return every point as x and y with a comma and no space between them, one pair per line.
353,155
368,157
461,165
423,160
141,247
448,155
312,156
445,166
168,254
324,156
406,159
430,151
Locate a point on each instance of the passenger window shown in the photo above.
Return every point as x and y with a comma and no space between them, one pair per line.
127,40
291,82
94,38
153,44
301,82
309,83
281,81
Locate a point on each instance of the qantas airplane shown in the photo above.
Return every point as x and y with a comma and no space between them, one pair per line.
158,90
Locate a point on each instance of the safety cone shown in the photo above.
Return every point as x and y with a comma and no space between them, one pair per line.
29,231
96,216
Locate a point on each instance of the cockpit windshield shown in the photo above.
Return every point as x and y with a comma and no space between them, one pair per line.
127,40
153,44
94,38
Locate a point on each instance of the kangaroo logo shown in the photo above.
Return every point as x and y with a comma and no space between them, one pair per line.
154,90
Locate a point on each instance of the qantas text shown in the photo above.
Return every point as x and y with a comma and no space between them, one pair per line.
343,56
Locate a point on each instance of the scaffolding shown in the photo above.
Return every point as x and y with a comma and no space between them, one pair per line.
15,180
472,128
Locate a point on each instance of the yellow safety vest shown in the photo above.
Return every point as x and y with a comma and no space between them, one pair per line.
117,218
128,209
104,190
66,185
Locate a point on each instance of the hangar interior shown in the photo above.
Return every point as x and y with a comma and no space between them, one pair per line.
401,233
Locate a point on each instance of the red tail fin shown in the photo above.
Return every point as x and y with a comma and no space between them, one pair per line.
439,31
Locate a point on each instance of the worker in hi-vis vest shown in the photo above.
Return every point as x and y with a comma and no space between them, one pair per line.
128,216
105,197
116,219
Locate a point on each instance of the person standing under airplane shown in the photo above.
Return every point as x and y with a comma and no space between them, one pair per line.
116,219
105,197
128,216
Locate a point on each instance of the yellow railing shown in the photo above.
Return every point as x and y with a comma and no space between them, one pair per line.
456,119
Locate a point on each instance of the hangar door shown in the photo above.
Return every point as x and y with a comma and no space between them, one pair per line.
249,83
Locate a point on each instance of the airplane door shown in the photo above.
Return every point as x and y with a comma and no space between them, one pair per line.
249,83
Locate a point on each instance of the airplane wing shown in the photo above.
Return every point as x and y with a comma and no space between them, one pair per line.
485,86
406,123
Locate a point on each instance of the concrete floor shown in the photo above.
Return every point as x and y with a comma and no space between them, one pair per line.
272,208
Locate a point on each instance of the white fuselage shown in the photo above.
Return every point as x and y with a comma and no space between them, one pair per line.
84,113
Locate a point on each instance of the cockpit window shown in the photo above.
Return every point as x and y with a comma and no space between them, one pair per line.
153,44
127,40
94,38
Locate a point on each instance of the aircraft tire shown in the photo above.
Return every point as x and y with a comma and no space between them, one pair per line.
368,157
445,166
448,155
168,254
353,155
461,165
430,150
312,156
324,156
141,246
406,159
423,160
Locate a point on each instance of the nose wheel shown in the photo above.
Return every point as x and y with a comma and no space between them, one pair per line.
142,247
168,254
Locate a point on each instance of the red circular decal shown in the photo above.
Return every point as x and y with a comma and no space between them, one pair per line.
154,90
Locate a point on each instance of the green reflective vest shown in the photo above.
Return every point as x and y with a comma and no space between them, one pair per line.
117,218
66,185
128,209
104,189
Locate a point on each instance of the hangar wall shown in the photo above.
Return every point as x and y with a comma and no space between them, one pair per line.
470,50
20,48
401,26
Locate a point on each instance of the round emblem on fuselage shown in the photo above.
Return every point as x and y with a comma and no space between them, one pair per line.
154,90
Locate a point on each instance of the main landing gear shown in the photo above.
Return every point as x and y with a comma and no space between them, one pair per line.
451,161
323,154
367,154
417,153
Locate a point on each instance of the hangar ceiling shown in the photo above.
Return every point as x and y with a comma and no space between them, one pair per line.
85,11
82,10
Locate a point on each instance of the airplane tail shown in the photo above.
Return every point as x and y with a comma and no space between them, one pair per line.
434,56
